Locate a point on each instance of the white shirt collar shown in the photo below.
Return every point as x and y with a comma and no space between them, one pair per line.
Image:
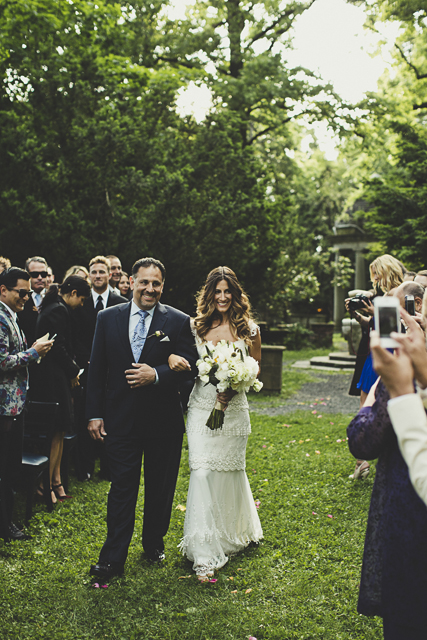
135,309
41,293
11,311
104,297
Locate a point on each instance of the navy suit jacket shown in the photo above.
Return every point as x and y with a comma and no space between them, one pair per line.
84,321
154,410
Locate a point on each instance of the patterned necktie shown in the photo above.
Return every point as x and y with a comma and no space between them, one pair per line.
99,305
139,335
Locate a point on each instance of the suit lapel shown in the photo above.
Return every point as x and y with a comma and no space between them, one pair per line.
18,341
122,320
160,316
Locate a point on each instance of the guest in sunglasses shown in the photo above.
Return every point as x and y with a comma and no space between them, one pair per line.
37,268
4,264
58,373
15,356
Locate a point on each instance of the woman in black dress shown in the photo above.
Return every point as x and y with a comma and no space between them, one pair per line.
58,373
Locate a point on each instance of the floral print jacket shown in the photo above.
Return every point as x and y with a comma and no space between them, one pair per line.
14,360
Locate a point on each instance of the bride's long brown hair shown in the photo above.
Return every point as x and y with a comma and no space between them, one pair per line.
239,313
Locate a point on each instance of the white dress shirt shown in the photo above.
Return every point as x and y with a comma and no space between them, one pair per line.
409,420
104,297
38,298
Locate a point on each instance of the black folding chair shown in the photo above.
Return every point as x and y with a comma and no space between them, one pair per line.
39,427
33,466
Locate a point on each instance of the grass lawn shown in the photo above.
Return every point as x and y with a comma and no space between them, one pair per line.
300,583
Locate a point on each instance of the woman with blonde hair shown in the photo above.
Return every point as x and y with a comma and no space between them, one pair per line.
221,518
387,273
78,270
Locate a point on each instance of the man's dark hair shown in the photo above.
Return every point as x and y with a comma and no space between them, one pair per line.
148,262
413,289
9,277
34,259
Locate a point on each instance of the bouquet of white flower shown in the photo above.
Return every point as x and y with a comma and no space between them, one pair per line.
227,367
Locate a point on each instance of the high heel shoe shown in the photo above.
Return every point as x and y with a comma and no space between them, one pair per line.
55,488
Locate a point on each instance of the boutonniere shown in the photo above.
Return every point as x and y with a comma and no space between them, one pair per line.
156,334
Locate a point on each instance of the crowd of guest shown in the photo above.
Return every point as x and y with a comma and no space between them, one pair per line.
46,333
391,427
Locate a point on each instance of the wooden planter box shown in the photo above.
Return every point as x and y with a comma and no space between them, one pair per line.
271,367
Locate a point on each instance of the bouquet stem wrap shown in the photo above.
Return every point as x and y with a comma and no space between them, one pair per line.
216,418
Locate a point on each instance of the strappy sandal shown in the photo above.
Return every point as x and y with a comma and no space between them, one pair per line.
55,488
206,577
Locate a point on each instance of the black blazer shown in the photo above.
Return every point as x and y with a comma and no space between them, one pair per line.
51,379
154,410
28,320
84,320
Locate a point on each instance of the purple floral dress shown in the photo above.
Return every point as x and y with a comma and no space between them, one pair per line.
394,572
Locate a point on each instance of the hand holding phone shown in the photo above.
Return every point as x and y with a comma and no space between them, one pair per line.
387,319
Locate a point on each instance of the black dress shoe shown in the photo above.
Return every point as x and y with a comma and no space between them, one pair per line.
106,570
156,555
13,533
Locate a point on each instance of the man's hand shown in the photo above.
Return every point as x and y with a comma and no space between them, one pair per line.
96,429
43,347
140,376
396,370
75,382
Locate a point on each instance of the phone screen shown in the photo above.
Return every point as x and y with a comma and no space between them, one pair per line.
410,305
387,321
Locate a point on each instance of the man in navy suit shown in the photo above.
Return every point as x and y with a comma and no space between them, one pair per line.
133,403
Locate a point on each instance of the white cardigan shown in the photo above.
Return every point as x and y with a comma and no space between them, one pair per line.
409,421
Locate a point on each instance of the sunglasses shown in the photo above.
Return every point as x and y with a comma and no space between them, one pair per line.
23,293
36,274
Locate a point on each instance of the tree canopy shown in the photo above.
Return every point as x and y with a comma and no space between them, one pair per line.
95,158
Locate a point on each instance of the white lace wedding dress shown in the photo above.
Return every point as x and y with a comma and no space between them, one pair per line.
221,517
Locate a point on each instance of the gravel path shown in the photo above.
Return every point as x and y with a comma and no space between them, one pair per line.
330,388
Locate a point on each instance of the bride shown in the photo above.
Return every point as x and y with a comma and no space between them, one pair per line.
221,518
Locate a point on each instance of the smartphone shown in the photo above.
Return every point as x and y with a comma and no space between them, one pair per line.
410,305
387,319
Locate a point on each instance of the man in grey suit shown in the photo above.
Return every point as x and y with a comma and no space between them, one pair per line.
133,403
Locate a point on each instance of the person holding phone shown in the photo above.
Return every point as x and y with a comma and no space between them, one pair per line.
386,273
394,572
58,372
15,358
410,296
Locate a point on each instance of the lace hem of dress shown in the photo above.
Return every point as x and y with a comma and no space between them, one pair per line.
235,546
